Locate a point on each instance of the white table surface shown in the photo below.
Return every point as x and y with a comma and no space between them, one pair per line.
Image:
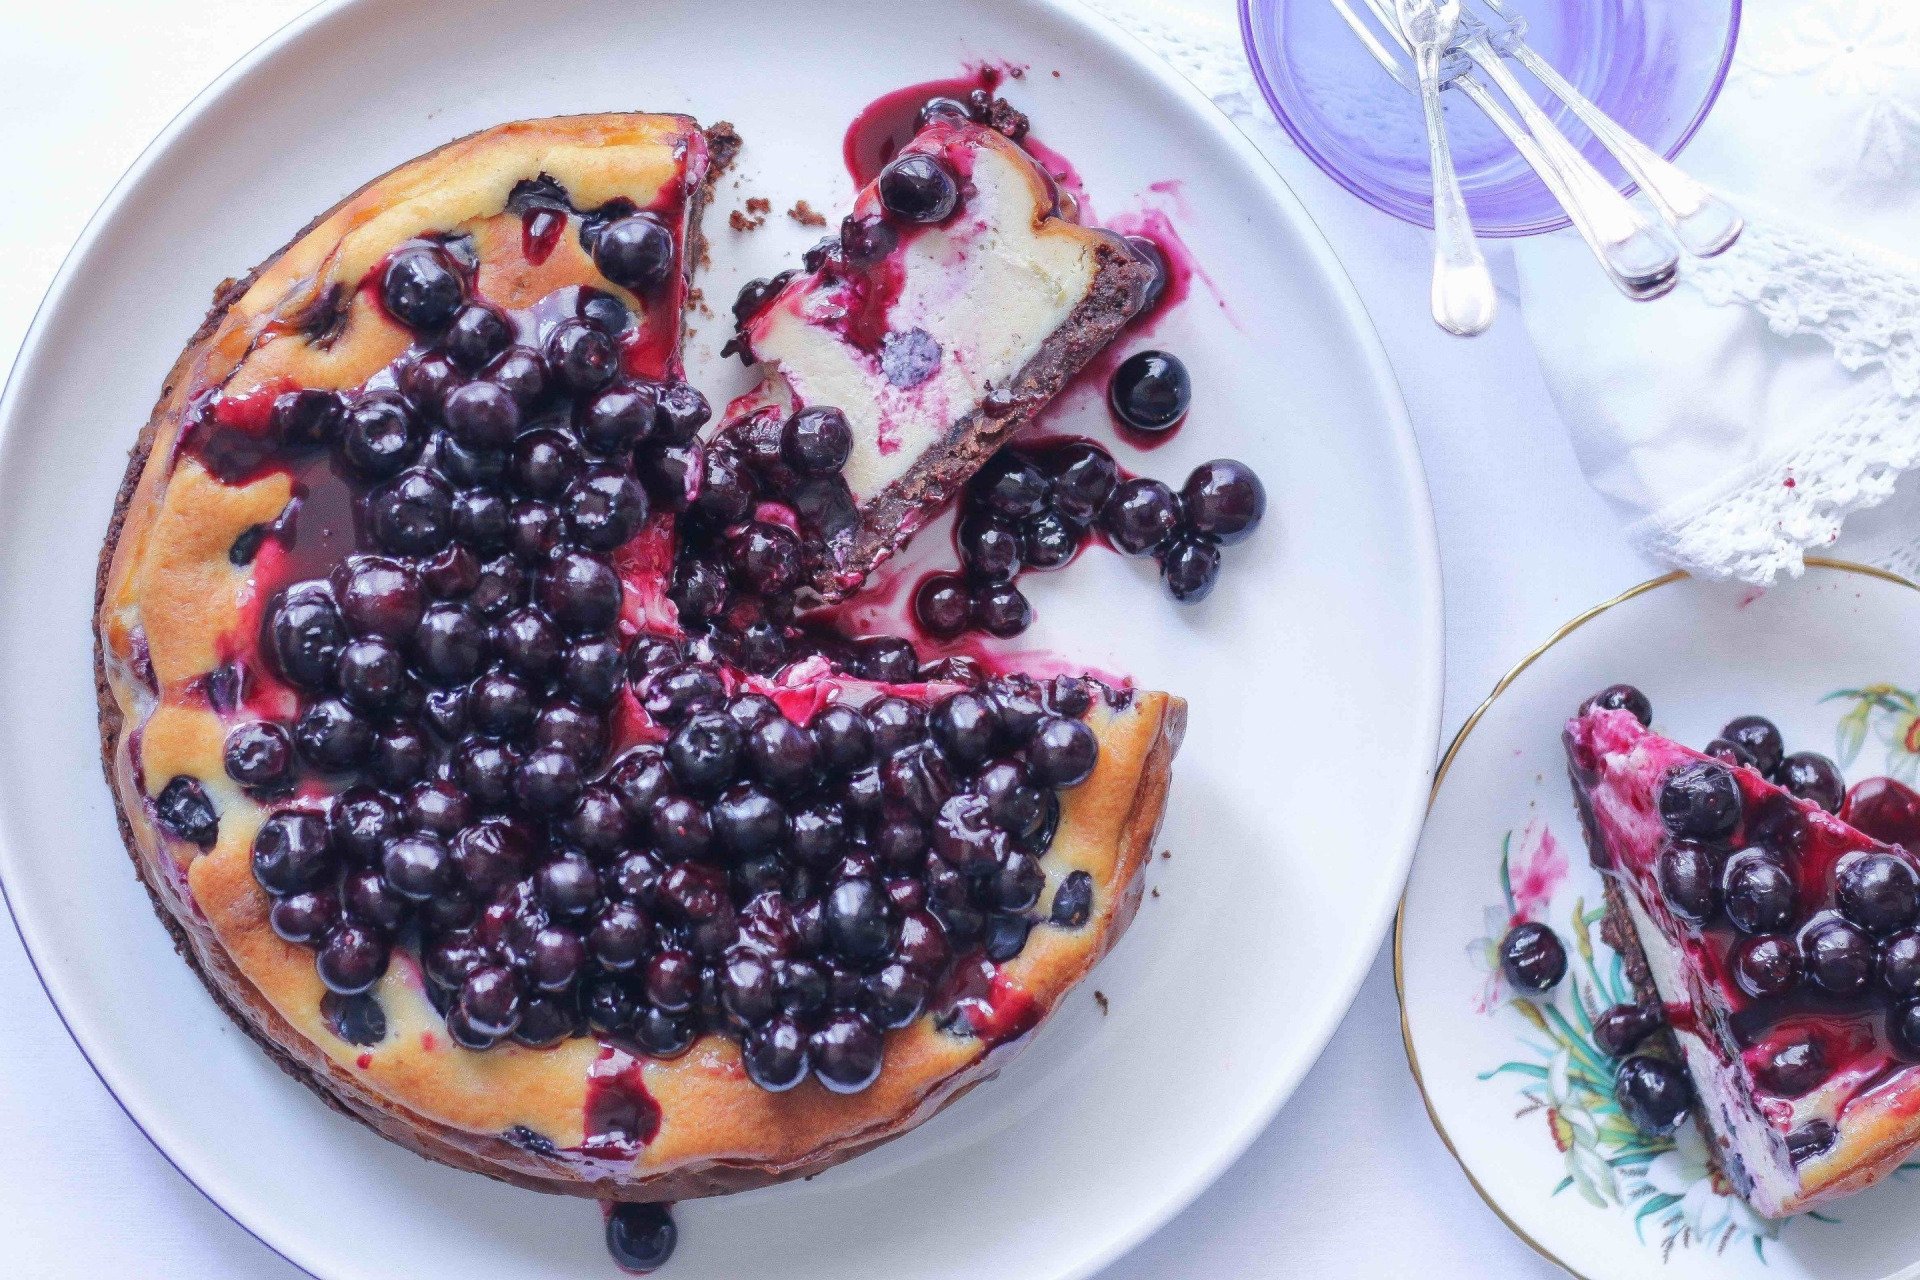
1350,1180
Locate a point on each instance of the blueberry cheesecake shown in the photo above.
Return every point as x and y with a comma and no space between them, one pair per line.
459,806
959,296
1769,918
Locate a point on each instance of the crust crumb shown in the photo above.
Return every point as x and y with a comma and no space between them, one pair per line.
1166,855
753,217
1156,892
806,215
1100,998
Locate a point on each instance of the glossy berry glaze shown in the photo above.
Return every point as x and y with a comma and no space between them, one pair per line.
497,740
1782,938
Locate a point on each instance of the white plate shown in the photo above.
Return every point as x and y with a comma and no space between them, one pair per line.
1557,1162
1313,672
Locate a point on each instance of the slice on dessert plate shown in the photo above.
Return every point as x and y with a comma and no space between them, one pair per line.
1685,1013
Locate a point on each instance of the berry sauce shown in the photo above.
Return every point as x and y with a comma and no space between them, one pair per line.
889,122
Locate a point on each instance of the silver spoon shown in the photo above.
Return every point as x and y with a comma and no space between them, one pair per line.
1703,223
1464,302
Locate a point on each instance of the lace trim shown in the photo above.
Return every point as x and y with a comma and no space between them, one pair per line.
1865,304
1764,519
1863,300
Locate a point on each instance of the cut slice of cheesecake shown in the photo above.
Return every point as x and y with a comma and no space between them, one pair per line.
957,300
1780,941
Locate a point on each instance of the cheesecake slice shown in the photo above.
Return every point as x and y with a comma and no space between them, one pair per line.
1780,940
956,302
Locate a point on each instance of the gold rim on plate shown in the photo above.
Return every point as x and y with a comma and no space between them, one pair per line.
1440,776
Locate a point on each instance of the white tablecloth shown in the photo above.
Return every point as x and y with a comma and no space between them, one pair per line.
1349,1181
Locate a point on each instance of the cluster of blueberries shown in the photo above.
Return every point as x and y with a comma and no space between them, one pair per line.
1035,508
801,887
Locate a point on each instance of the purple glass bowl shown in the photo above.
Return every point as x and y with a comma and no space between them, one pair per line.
1656,66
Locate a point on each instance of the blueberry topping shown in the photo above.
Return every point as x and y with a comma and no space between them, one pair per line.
1814,778
917,187
1760,739
1622,697
421,288
635,252
1701,801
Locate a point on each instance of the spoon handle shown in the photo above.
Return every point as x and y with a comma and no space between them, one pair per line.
1464,303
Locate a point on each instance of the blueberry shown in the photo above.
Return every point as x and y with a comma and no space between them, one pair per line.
635,252
1760,738
816,441
1533,957
307,635
1812,777
1839,955
1766,967
379,436
775,1055
1621,697
989,549
1619,1030
1877,891
411,514
1759,894
1189,566
846,1053
1654,1093
1062,752
421,288
523,372
619,418
1224,500
943,606
580,592
184,809
1048,541
604,509
352,960
682,412
1002,610
259,754
332,736
1150,391
1084,476
918,188
1073,901
1140,515
705,751
482,416
1701,801
291,852
580,357
1690,881
1900,965
641,1237
1793,1069
1011,487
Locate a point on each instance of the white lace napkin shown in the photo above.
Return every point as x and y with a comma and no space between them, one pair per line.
1739,422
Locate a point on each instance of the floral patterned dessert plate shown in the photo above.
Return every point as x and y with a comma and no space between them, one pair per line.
1514,1083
